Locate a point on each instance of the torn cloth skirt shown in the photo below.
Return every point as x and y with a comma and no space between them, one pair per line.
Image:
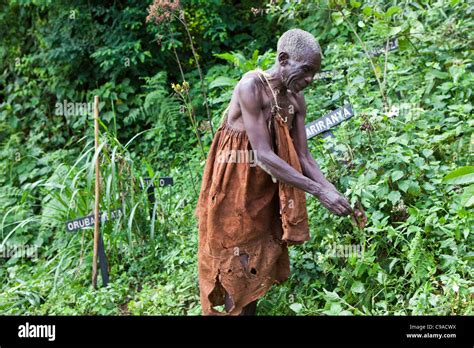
245,222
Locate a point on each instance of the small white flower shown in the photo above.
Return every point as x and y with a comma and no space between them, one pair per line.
455,288
394,111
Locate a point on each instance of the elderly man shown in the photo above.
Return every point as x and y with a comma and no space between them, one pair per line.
248,214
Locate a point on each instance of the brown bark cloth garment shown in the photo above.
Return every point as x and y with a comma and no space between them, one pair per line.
241,211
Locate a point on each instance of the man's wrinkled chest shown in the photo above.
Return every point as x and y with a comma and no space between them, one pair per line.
286,108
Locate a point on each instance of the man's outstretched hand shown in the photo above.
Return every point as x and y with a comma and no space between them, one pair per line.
335,202
359,217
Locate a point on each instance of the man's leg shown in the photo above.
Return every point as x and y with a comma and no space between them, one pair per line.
248,310
228,302
251,308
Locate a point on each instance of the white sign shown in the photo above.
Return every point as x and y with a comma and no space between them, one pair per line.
328,121
88,221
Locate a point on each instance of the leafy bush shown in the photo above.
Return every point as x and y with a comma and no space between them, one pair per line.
405,156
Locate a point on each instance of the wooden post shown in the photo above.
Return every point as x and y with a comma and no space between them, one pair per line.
97,187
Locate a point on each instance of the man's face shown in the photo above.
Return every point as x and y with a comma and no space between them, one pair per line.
297,75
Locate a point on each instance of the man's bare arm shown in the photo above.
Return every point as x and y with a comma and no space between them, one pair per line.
260,140
329,196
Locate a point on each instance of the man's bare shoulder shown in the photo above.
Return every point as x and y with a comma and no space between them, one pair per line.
249,85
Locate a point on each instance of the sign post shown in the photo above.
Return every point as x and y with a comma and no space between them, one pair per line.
89,221
331,119
97,193
324,124
391,45
149,184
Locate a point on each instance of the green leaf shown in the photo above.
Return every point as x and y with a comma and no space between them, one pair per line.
467,197
381,28
381,277
357,287
296,307
336,95
404,185
396,175
107,116
394,31
355,4
255,55
414,188
403,44
122,108
427,152
460,176
335,309
367,10
331,295
428,187
222,81
419,161
226,56
394,197
337,18
392,10
433,73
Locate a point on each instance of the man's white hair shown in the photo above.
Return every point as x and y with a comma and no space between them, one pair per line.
296,43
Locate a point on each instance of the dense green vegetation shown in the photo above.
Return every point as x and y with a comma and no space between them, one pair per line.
417,244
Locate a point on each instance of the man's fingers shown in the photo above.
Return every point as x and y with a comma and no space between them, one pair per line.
340,206
334,209
345,207
339,210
